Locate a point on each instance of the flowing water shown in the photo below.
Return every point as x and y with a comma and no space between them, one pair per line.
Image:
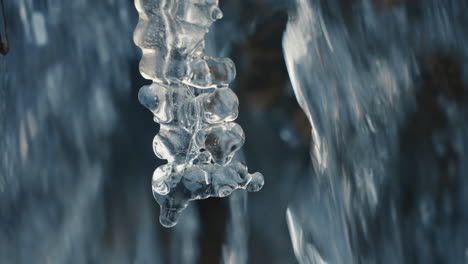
383,85
384,88
61,85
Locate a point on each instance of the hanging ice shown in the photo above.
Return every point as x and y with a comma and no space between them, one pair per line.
191,100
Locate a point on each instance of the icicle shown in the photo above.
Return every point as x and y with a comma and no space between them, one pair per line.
191,100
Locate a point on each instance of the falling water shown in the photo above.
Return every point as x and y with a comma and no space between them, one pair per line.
383,84
388,145
61,85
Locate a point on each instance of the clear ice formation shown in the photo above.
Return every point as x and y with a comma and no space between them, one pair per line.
191,100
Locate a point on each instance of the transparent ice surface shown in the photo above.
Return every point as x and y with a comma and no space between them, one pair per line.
171,37
191,100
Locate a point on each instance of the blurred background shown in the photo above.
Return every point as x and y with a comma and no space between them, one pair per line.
354,110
